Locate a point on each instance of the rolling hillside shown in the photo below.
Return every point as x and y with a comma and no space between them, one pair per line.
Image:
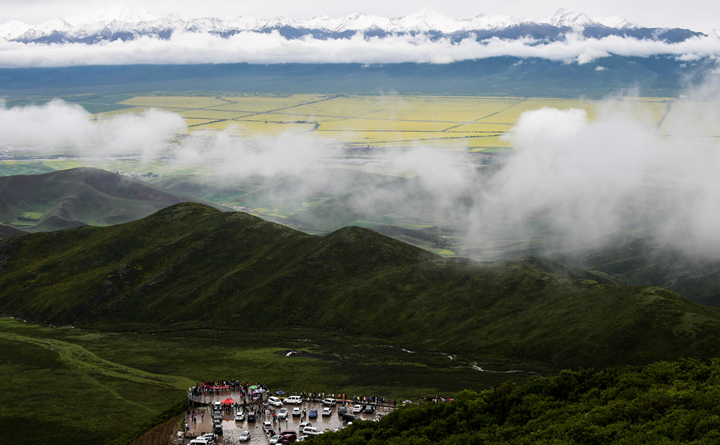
194,266
77,197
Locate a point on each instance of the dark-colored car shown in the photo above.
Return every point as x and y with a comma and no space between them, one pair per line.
217,415
341,410
218,430
350,417
288,437
369,409
251,416
313,414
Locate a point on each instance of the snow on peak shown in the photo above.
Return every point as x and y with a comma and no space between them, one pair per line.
427,20
116,12
617,22
565,17
13,29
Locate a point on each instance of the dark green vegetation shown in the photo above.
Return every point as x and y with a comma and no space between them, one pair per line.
663,403
653,76
7,231
8,169
191,293
193,266
76,197
645,261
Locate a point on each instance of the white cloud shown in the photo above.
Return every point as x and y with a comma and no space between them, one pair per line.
250,47
58,124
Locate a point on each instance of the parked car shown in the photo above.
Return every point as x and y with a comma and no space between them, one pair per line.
245,436
303,425
349,417
274,401
251,415
198,441
341,410
267,425
327,411
288,437
210,437
275,439
297,400
240,416
217,415
313,414
296,412
282,413
218,430
329,401
357,409
311,431
369,409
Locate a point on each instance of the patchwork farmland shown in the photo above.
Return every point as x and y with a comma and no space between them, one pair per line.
449,122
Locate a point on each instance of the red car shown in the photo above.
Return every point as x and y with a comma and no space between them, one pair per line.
288,437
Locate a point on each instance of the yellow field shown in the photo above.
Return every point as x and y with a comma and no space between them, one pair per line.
472,123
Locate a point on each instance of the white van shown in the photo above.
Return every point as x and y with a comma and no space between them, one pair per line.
297,400
199,441
274,401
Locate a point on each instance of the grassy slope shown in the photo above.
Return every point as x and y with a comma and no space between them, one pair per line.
7,231
79,196
663,403
643,261
194,266
113,382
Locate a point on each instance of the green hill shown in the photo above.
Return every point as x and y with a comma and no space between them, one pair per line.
77,197
191,265
7,231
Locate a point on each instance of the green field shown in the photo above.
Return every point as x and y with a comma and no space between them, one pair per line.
103,385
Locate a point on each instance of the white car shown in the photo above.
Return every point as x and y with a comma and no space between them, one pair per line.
240,416
357,409
304,425
245,436
275,439
282,413
296,400
311,431
267,425
274,401
327,411
210,437
296,412
329,402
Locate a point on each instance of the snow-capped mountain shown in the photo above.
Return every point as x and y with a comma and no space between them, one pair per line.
118,22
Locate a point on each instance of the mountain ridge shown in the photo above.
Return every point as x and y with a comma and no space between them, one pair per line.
192,266
115,23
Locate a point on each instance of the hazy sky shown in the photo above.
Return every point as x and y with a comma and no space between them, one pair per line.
700,15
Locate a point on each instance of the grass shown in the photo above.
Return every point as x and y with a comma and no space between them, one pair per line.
237,271
111,383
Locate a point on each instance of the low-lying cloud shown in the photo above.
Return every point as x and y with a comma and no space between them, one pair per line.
571,182
59,124
271,48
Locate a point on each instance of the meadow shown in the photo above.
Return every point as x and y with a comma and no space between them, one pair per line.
107,384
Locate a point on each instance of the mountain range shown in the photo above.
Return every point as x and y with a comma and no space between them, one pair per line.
119,23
